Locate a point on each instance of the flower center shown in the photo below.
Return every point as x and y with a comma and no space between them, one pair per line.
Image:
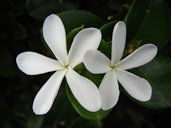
66,66
113,66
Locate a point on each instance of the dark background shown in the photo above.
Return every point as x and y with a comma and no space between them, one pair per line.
20,31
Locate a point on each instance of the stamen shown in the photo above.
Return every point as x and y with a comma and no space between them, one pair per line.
113,66
66,66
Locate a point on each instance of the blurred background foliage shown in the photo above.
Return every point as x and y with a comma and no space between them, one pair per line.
148,21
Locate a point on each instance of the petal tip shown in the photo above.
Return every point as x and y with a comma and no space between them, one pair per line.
20,60
94,107
50,20
96,62
94,31
154,47
121,23
146,92
38,111
106,107
52,16
147,96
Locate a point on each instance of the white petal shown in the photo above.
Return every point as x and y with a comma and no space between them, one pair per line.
46,96
55,36
136,86
118,41
86,39
32,63
96,62
109,90
85,91
139,57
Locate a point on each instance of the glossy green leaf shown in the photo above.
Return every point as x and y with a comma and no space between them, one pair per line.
105,47
148,21
97,116
39,9
107,30
61,108
135,17
73,19
158,73
71,35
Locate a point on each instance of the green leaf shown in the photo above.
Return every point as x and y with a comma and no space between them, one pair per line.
158,73
105,48
71,35
135,17
97,116
74,19
40,9
61,107
107,30
148,21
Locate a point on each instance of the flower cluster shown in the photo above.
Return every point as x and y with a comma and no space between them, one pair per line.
96,62
84,49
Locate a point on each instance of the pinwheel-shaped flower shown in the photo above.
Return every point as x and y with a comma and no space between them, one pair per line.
33,63
96,62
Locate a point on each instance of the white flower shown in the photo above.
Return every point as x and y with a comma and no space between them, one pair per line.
96,62
33,63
